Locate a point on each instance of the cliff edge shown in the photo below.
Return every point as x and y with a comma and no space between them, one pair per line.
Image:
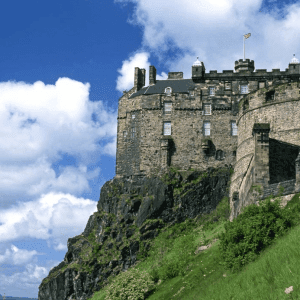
130,214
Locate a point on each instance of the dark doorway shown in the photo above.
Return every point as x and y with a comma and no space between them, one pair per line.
282,161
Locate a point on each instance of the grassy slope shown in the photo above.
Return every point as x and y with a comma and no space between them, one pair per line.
276,269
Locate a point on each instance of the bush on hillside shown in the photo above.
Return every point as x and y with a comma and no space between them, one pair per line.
171,257
221,213
251,232
130,285
293,207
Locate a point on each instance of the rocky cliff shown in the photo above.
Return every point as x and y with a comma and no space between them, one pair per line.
130,214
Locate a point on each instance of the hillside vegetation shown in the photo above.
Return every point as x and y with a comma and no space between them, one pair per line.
257,256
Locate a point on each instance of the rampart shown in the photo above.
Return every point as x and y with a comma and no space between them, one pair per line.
278,108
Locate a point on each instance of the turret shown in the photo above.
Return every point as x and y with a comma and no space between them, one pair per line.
294,66
198,69
139,78
244,65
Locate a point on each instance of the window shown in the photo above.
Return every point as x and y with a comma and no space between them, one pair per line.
233,128
211,91
245,104
227,86
206,126
207,109
133,132
132,116
270,95
244,89
196,69
167,128
168,91
263,137
261,85
168,107
219,155
124,134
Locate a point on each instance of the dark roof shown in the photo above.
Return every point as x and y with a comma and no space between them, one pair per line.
177,85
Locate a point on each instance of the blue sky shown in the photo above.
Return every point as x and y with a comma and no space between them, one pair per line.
63,66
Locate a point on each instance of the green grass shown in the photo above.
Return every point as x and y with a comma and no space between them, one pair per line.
255,257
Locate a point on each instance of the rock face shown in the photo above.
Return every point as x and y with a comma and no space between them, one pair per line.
130,214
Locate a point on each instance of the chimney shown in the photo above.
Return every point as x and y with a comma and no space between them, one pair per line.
139,78
152,75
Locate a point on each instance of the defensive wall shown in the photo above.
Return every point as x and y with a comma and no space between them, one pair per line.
268,143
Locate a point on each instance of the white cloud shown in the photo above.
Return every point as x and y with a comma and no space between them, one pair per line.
53,217
17,256
38,123
27,281
214,29
126,80
43,119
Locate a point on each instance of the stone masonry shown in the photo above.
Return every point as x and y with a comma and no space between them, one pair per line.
246,118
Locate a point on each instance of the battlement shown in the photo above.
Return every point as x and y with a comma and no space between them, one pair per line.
244,73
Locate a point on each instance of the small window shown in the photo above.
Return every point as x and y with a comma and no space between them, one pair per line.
206,126
234,153
227,86
263,137
132,116
168,107
270,96
245,104
244,89
167,128
168,91
207,109
196,69
219,155
211,91
124,134
233,128
133,132
261,85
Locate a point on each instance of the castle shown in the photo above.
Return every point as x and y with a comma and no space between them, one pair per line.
245,118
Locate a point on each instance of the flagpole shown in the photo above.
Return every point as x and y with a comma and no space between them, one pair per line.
244,47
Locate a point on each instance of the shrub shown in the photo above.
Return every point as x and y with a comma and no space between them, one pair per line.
221,213
251,232
173,259
293,207
130,285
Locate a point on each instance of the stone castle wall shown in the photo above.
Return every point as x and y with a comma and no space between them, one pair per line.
142,154
282,113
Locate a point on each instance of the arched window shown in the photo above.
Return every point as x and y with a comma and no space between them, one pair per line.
219,155
168,91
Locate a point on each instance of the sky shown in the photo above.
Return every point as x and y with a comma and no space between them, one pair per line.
63,67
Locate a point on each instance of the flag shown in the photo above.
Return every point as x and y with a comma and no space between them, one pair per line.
247,35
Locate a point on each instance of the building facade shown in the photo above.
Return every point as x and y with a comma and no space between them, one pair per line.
246,118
